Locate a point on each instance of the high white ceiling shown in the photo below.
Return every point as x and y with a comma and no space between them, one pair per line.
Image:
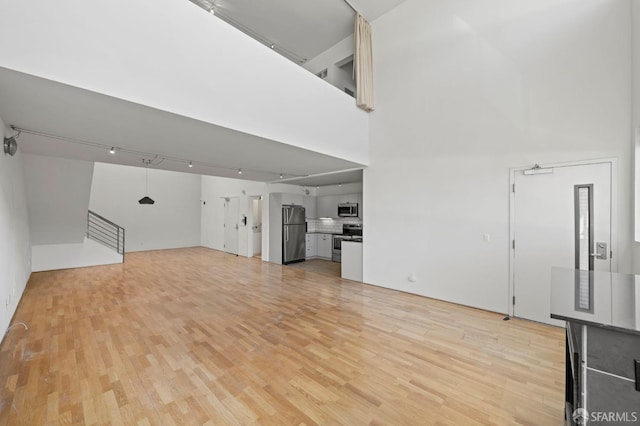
305,28
83,125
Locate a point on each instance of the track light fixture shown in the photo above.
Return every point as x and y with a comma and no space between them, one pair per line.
10,146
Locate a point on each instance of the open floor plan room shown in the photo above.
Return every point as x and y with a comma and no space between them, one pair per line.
198,336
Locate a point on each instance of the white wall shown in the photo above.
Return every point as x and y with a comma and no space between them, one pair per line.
48,257
172,222
328,60
635,55
635,51
465,90
58,198
15,246
240,84
215,189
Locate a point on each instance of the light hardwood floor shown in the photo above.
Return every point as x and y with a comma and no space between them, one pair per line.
196,336
320,266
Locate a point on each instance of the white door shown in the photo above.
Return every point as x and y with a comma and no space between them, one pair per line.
553,224
231,213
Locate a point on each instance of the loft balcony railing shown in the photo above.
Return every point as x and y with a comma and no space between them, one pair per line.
106,232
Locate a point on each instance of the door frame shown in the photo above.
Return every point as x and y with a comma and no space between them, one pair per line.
512,200
251,223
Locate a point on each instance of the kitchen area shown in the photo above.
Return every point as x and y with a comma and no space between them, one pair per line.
323,234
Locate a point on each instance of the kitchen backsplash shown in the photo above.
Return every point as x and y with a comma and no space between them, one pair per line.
330,226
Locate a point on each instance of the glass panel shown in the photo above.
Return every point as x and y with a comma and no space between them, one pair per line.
584,247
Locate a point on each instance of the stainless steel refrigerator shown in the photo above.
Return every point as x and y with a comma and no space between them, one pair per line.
294,237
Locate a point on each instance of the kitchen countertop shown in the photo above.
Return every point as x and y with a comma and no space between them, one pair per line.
596,298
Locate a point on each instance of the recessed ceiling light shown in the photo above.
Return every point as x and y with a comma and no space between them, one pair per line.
273,46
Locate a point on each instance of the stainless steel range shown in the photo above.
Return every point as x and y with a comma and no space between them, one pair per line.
350,232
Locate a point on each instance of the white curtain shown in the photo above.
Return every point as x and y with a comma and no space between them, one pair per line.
363,64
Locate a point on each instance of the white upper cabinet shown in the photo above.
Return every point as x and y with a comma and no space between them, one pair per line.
323,206
293,199
328,206
360,205
310,206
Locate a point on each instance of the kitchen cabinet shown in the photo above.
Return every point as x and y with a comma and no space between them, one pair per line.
292,199
312,246
352,199
351,265
325,245
358,199
327,206
309,202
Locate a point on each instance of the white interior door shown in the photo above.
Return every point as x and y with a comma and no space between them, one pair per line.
231,213
549,231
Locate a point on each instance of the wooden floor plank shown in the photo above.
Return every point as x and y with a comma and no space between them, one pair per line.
197,336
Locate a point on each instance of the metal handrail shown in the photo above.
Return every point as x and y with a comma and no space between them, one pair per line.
106,232
104,226
103,219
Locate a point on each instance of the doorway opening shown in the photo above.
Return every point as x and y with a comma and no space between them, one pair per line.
254,225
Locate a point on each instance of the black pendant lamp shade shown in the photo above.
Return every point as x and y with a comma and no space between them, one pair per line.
146,200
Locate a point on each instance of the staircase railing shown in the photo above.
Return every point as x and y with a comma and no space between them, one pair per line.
105,232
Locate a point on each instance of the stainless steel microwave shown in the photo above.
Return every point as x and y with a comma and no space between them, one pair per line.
348,210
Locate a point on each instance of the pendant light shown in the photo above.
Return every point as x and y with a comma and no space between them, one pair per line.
146,199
